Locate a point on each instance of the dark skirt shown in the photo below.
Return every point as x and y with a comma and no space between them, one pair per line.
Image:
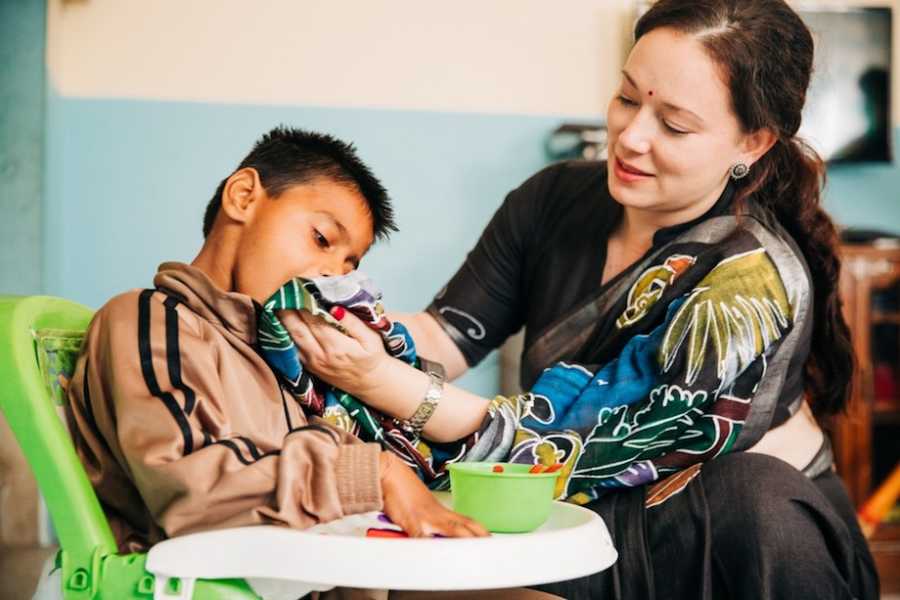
748,526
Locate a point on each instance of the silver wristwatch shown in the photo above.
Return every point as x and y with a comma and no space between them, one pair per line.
433,394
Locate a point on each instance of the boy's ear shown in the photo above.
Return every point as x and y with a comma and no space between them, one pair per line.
242,195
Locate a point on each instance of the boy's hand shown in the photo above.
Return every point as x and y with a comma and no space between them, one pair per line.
348,362
410,504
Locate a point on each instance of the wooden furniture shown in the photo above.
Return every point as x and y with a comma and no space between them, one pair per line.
867,440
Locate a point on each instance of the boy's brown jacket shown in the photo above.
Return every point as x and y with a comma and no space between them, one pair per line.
183,427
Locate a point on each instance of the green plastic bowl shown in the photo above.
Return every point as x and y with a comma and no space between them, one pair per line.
514,501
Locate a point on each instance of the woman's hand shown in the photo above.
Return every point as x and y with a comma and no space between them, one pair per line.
358,364
411,505
349,361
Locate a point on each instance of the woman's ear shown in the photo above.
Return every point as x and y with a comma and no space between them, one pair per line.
756,144
242,194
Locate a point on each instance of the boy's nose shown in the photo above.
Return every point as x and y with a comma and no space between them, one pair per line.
333,270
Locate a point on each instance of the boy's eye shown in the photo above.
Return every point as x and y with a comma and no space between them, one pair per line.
321,240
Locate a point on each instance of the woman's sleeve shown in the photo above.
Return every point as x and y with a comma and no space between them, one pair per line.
484,302
674,397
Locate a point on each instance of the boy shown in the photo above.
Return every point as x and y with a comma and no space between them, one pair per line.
181,424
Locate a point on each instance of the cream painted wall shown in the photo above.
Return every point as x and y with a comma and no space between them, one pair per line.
489,56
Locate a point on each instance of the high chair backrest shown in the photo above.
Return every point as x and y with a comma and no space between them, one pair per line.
28,406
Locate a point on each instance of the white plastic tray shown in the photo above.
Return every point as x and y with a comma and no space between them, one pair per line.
574,542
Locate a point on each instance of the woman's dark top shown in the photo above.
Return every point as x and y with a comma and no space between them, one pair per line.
542,256
709,528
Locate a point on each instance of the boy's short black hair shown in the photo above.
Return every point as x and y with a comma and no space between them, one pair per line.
286,156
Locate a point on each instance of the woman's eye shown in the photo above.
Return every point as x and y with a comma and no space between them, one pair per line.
675,130
627,101
321,240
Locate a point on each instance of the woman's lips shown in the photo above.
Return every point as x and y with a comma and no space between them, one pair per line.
627,173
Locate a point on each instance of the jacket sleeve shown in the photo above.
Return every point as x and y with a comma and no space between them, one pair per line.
169,424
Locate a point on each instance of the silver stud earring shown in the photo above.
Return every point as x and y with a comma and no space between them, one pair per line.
739,171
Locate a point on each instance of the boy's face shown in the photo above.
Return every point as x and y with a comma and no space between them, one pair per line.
321,228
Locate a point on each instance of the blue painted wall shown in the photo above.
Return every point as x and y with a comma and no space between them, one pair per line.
22,77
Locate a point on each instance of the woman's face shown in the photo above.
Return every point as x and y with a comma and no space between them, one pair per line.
672,134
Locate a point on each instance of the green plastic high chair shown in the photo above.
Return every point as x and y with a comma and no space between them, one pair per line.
92,568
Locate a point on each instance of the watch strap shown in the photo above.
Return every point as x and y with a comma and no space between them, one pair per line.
433,395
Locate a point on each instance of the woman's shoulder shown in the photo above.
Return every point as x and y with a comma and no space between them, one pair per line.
769,231
769,235
557,187
570,177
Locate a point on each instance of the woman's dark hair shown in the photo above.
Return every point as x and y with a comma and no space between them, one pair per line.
285,157
765,53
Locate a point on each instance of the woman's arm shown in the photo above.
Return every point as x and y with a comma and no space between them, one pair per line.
432,342
397,389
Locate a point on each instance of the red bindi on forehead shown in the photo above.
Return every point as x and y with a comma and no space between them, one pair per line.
651,92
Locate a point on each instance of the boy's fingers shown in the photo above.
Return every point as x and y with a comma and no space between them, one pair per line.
454,525
414,530
466,527
479,531
477,528
444,528
459,529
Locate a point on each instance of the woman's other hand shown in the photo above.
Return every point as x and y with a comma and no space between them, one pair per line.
349,361
410,504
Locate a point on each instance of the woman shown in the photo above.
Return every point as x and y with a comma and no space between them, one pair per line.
682,324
